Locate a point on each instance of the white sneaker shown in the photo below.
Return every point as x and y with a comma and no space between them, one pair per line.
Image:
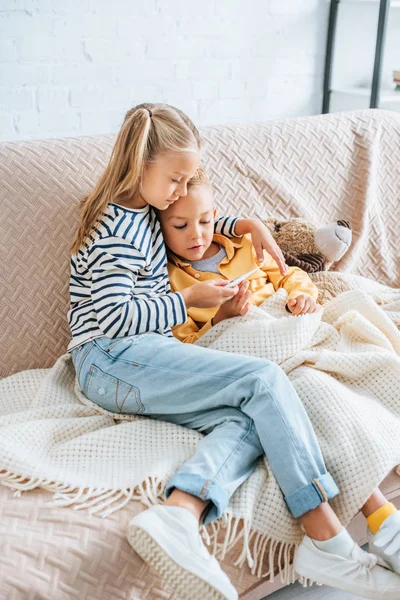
386,543
167,538
360,574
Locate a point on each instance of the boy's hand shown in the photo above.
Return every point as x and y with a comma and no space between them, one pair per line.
238,306
262,240
303,304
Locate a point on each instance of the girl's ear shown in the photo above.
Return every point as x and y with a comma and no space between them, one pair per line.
215,212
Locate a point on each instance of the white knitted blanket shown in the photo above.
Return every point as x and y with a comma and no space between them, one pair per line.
344,363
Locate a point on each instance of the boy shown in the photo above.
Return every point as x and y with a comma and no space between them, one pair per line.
196,254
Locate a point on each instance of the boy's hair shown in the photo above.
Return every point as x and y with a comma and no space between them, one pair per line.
199,178
147,131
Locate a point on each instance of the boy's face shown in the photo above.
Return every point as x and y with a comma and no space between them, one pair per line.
188,224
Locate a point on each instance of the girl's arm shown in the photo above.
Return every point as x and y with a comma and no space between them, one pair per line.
262,240
120,305
260,236
226,226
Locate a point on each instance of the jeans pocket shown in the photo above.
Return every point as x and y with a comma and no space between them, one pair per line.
112,393
119,346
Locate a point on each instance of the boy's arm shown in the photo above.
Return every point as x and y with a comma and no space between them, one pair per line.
189,332
295,282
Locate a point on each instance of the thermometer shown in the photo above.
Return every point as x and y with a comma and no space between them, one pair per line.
241,278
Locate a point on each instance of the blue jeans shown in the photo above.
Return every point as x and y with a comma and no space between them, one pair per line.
246,406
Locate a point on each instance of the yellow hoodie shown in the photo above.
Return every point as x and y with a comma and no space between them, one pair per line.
240,258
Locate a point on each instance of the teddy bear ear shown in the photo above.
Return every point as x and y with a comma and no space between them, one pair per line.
310,263
270,223
277,227
344,224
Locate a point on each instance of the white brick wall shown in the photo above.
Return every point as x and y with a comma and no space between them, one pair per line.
73,67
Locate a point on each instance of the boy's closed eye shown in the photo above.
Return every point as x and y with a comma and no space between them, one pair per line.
183,226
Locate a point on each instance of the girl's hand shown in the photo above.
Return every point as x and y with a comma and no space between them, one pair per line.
262,240
303,304
208,294
238,306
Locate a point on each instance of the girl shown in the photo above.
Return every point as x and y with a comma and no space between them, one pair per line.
121,315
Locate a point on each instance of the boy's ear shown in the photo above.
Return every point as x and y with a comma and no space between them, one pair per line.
214,212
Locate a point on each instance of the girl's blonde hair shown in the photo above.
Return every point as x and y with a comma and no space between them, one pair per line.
148,130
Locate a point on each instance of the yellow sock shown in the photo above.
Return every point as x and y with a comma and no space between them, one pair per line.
378,517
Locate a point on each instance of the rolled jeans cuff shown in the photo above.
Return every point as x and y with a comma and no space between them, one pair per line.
205,489
312,495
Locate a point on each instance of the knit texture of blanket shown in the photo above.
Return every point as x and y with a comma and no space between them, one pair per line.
344,363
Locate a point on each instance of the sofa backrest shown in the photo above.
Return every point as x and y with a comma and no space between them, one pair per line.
321,168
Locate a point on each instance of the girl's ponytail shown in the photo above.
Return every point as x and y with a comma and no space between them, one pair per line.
129,154
147,130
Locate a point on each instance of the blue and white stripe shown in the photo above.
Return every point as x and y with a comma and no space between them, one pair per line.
119,280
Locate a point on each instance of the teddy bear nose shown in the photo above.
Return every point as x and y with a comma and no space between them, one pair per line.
344,224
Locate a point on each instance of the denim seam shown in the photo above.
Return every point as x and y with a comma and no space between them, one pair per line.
205,489
290,434
112,345
83,358
240,442
313,486
321,489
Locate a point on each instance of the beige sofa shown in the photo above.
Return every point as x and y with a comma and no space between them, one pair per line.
322,168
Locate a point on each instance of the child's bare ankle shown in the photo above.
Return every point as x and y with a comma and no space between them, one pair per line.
184,500
321,523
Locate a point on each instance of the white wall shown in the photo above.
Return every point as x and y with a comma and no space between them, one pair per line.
73,67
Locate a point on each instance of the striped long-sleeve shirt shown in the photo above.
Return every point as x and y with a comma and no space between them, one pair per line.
119,280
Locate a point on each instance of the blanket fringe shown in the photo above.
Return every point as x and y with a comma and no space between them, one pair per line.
257,549
304,582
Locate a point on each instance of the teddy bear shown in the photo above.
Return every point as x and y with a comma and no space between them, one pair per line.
314,249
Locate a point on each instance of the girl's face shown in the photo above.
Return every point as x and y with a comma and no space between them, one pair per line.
165,181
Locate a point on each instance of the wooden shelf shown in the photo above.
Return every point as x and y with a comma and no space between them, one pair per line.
393,4
386,96
346,91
